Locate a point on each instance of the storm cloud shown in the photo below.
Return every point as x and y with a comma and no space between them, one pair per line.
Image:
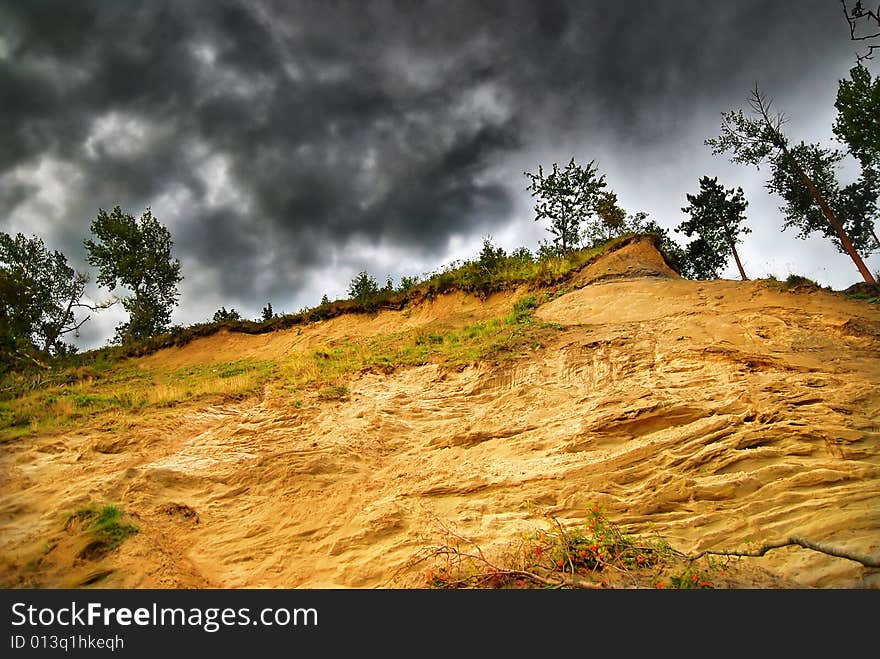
289,145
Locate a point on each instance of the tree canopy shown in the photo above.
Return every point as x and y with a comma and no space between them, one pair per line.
858,116
136,254
566,197
39,293
363,288
717,217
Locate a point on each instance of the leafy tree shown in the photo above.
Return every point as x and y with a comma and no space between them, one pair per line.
566,197
611,220
406,283
701,260
39,292
547,251
858,116
858,126
491,257
222,315
136,254
325,299
854,206
717,216
611,215
522,255
363,288
637,222
759,138
674,252
267,313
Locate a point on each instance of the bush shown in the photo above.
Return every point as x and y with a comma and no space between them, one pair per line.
222,315
363,289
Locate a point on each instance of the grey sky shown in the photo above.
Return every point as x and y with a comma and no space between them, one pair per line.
289,145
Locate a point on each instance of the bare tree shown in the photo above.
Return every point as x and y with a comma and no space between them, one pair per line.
864,25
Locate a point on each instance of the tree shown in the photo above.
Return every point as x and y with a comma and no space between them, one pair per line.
701,260
673,252
136,254
267,313
566,197
407,283
491,257
39,292
363,288
858,126
611,220
325,299
854,206
858,116
753,140
522,255
222,315
611,215
717,216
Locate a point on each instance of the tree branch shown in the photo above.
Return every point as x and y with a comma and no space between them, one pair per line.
26,357
852,18
100,305
822,548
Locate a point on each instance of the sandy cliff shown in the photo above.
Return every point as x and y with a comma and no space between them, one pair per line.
713,413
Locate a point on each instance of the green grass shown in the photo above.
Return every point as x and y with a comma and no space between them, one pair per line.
105,527
330,367
115,398
125,391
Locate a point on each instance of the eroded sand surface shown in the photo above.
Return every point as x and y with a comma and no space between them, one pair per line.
714,413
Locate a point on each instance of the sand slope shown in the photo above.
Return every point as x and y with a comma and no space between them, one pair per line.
714,413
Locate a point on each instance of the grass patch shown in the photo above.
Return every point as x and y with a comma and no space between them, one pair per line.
126,390
328,368
105,528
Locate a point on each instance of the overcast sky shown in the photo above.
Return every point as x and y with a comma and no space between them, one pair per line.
289,145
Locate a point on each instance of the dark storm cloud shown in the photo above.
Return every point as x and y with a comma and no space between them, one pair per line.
271,136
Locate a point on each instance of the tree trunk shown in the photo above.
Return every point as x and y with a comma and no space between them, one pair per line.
832,219
742,273
876,239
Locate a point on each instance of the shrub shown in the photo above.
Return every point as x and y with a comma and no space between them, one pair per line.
363,289
222,315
